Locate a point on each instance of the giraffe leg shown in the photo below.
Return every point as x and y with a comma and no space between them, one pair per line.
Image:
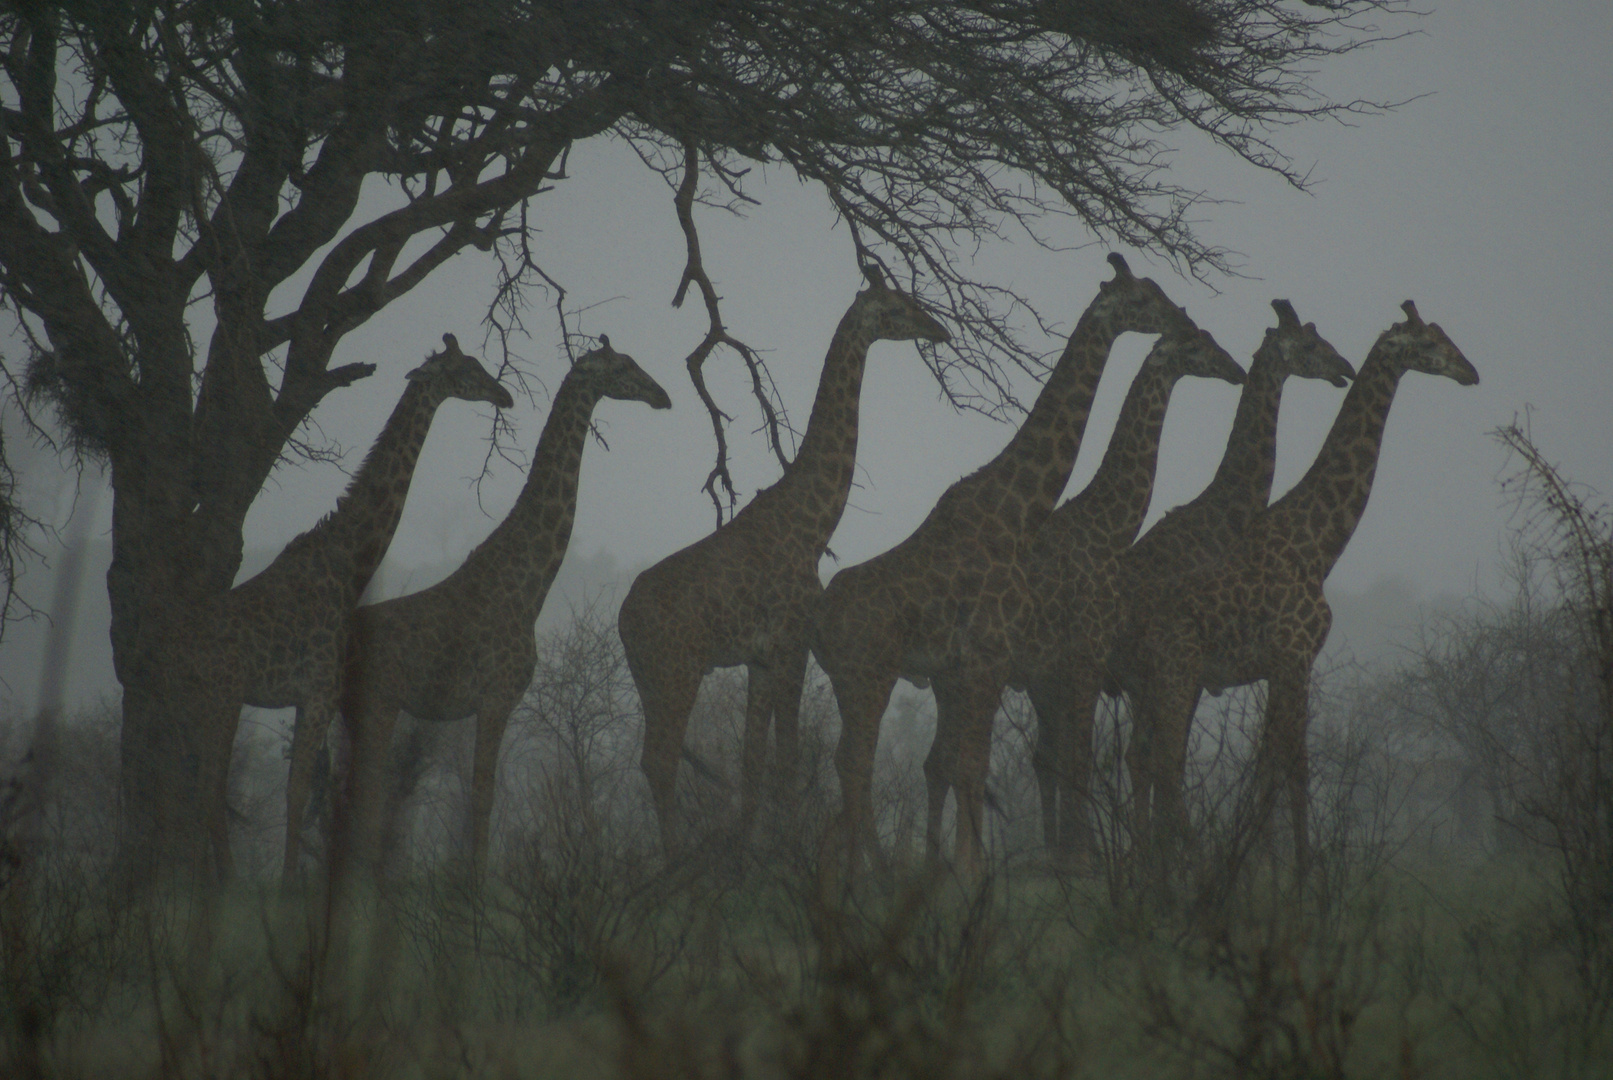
1288,769
760,688
1137,762
667,702
1168,762
307,736
940,765
967,704
862,696
1074,769
1048,703
361,816
789,678
221,725
491,719
1164,712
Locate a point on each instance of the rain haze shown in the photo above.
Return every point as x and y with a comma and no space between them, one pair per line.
1486,201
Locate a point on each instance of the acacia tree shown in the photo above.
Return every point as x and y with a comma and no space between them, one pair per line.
164,156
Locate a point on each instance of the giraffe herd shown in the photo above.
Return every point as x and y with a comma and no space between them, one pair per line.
999,586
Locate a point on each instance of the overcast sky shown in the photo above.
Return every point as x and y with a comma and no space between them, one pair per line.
1489,203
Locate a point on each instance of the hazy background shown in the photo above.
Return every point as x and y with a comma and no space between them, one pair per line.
1487,202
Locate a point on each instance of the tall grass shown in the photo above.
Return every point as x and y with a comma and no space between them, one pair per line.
587,953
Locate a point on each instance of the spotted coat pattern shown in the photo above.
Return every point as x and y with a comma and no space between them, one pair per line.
1071,571
946,603
465,645
1259,613
743,594
275,641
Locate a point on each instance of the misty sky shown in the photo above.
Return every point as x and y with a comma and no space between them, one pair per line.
1489,203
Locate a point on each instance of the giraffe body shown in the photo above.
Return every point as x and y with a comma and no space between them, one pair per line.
1259,612
276,640
465,645
947,603
743,594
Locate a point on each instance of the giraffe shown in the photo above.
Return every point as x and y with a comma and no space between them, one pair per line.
1259,612
1070,568
275,641
742,594
1199,532
945,603
465,645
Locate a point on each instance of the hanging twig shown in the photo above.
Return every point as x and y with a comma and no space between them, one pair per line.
694,271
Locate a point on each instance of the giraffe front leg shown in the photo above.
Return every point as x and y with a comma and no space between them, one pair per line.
491,720
307,736
361,812
221,723
1074,770
667,699
862,696
1049,706
1288,766
940,765
1165,708
967,705
788,679
759,692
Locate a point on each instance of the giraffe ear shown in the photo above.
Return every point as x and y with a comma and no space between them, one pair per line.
1411,313
1287,317
1122,271
876,279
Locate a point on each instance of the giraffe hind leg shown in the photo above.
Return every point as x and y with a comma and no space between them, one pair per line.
862,695
667,702
307,736
491,720
788,682
1287,770
967,706
1044,755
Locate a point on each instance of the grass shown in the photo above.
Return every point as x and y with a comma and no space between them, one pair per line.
587,953
1428,970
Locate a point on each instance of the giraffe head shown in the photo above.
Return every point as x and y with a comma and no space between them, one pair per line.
1299,350
1194,352
889,314
1414,345
612,374
1130,303
452,374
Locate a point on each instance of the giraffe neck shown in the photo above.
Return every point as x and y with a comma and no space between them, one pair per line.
524,552
367,513
1241,487
1027,477
1320,514
1111,508
819,479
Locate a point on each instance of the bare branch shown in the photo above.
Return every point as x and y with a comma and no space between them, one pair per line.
694,271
